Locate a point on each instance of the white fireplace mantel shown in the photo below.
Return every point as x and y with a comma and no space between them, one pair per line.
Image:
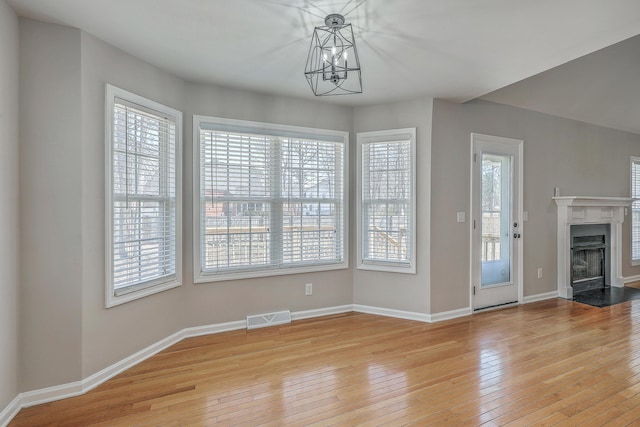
573,210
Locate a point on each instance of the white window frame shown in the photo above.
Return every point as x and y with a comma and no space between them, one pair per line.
635,205
140,290
200,276
363,138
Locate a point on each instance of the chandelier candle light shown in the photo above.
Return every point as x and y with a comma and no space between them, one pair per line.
333,67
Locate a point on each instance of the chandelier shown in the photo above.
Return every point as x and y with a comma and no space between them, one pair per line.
332,66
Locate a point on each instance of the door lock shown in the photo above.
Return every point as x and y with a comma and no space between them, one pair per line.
516,235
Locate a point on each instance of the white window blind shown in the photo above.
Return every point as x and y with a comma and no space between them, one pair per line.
271,198
635,210
143,198
387,200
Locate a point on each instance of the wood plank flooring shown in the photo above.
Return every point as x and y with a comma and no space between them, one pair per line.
553,362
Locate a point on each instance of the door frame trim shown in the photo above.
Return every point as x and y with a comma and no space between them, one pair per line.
519,210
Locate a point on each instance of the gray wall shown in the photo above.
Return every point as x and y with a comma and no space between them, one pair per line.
233,300
9,246
399,291
580,158
50,205
111,335
67,334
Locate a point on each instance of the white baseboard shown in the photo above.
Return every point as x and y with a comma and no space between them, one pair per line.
49,394
215,328
410,315
540,297
401,314
109,372
631,279
452,314
307,314
10,411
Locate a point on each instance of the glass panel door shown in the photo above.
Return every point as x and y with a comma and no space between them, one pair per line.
496,205
496,219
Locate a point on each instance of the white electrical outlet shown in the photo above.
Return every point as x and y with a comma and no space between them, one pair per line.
460,216
308,289
540,273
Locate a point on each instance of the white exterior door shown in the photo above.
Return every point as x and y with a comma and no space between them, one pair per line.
496,229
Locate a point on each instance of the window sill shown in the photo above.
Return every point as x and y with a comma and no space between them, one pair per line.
388,268
253,274
114,300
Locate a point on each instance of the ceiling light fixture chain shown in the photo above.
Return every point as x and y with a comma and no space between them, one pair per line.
333,66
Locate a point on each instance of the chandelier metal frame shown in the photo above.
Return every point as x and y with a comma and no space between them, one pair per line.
333,66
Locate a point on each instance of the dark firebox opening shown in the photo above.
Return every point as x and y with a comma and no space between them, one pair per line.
588,262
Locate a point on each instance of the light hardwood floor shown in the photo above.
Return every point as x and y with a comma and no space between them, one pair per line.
548,363
633,285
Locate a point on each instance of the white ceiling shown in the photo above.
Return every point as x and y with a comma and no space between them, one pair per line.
452,49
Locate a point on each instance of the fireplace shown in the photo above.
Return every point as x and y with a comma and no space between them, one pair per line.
589,256
589,242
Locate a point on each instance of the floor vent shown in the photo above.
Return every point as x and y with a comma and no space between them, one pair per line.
268,319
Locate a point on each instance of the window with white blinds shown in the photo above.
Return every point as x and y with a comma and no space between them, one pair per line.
386,200
270,199
143,197
635,211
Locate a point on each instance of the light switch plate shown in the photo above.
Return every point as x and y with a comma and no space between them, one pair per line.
460,217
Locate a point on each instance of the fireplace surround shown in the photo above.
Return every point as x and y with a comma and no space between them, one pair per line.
577,210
